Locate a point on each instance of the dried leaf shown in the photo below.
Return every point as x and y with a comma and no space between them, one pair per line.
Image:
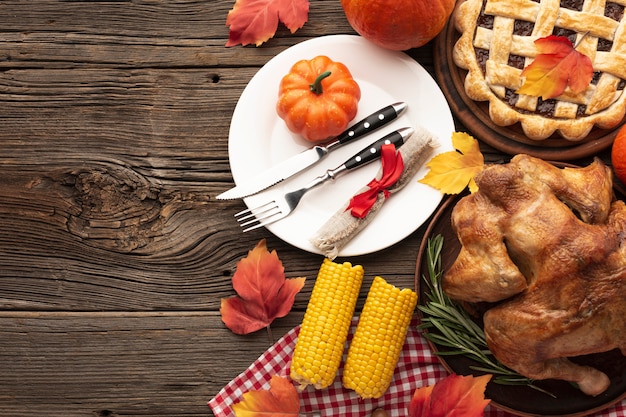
450,172
256,21
558,66
263,292
453,396
280,400
420,402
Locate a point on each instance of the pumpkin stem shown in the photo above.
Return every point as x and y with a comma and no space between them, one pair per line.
316,87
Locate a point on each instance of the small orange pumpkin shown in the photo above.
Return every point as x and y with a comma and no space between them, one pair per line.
318,98
398,24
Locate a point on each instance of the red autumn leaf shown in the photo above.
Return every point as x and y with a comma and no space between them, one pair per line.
558,66
256,21
263,292
453,396
420,402
280,400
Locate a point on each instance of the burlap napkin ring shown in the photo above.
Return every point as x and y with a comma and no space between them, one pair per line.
343,225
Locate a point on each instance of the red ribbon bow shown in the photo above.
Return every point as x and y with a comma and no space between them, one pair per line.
392,166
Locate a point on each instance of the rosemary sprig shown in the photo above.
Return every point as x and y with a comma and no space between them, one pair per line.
455,329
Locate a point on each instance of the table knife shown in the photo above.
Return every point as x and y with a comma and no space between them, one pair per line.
280,207
305,159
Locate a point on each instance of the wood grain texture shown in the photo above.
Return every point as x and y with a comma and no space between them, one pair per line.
118,364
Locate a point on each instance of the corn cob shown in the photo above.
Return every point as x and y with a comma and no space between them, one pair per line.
322,338
375,349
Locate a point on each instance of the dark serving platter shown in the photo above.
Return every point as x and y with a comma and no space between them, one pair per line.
520,400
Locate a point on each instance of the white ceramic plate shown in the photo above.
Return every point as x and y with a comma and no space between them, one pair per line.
259,139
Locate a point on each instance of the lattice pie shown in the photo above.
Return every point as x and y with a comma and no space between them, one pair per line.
497,42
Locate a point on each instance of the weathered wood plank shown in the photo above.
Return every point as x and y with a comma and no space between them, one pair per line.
89,241
120,364
131,34
173,119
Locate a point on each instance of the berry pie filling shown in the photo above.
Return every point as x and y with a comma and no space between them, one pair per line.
497,43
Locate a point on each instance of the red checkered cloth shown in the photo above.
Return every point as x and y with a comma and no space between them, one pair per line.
417,367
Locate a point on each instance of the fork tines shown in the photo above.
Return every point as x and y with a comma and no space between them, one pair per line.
251,219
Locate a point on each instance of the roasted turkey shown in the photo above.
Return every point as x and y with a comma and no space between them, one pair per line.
547,247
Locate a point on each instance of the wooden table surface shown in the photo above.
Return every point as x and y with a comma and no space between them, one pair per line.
114,252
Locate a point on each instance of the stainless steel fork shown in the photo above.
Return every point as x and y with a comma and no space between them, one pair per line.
281,207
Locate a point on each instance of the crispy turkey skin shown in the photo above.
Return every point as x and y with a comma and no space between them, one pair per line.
547,246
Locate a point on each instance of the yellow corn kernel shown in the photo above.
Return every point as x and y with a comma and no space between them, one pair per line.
375,349
322,338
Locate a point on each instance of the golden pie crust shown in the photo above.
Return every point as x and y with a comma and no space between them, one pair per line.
497,42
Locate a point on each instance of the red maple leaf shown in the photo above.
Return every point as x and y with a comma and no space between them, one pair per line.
558,66
453,396
281,399
256,21
263,292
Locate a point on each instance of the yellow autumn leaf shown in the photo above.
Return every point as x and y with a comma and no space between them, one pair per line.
450,172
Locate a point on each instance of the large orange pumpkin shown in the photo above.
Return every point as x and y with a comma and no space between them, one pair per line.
398,24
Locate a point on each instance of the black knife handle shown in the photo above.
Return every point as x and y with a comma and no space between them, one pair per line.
369,124
372,152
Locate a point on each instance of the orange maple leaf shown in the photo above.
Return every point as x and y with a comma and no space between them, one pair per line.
263,292
281,399
558,66
450,172
256,21
453,396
